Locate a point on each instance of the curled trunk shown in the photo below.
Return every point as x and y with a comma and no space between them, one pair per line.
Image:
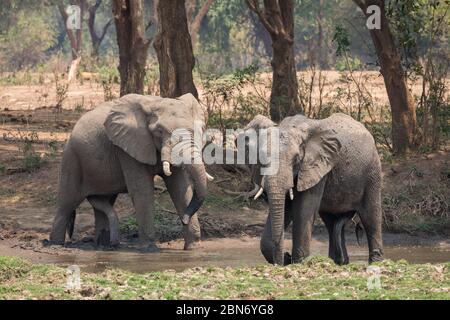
198,175
195,169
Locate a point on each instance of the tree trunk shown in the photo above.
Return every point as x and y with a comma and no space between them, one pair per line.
133,47
96,39
284,97
402,103
321,48
278,19
174,50
75,38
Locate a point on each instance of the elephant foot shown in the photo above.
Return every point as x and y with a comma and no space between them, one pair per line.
375,256
151,248
192,245
102,238
48,243
287,259
340,262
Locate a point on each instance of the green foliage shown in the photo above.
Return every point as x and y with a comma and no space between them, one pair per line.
109,75
2,168
347,64
229,102
128,226
36,35
341,39
32,161
53,149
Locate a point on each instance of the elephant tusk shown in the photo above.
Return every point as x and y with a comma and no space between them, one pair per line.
259,193
166,168
209,177
291,194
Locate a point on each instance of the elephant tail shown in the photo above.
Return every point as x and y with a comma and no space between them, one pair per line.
71,224
359,230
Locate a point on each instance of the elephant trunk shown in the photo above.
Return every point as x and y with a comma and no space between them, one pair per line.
188,154
276,216
197,173
277,187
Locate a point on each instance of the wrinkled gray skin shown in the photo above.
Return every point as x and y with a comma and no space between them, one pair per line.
118,148
334,169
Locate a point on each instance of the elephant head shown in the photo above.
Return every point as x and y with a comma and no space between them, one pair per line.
307,152
144,127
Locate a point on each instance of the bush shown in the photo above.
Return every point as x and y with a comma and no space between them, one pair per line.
24,44
234,100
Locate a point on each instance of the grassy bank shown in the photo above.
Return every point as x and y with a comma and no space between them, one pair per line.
316,278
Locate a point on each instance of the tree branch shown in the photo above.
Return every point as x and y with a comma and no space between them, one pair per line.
253,5
70,34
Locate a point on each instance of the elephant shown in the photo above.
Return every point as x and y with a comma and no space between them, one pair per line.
329,166
119,147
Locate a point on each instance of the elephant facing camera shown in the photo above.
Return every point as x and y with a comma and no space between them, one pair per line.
119,147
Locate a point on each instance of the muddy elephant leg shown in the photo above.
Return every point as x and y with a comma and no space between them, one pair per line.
266,244
180,191
192,233
329,221
106,220
64,220
140,186
307,204
371,218
102,235
102,227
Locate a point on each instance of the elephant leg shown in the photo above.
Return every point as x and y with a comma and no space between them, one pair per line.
180,191
329,221
346,259
371,218
337,250
307,204
64,220
106,220
102,235
266,244
338,233
102,228
140,186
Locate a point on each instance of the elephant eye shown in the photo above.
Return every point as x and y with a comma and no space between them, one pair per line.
156,129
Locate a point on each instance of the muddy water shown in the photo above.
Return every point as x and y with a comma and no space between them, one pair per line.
232,253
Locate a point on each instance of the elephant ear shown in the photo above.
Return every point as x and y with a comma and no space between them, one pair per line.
126,126
321,153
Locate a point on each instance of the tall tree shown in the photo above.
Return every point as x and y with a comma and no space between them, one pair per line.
133,46
96,38
402,103
75,36
174,50
277,16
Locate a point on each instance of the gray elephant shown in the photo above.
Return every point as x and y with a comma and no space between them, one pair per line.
118,148
330,166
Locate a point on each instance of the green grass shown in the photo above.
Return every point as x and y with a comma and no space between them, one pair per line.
316,278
